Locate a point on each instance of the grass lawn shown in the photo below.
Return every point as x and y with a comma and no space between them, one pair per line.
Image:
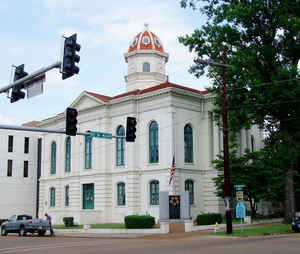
64,227
110,226
98,226
260,230
94,226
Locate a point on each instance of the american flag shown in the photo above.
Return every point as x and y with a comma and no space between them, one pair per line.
173,168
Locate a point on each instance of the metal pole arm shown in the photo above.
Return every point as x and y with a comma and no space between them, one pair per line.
34,129
30,76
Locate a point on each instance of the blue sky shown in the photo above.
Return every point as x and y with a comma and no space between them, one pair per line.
31,33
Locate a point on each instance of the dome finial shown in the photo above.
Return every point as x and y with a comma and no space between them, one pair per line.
146,25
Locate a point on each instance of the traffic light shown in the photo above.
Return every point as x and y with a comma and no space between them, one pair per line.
69,68
19,72
131,129
71,122
17,93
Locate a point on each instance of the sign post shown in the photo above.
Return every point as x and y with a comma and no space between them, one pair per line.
240,212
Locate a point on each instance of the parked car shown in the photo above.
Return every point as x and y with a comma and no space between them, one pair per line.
296,225
24,224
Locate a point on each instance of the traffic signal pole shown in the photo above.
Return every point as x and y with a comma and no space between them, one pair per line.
34,129
66,65
31,76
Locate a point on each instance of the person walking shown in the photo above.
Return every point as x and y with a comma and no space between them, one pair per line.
48,217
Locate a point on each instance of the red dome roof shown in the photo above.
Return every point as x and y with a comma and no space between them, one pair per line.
146,40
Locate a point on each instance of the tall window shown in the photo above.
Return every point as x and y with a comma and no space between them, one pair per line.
153,142
188,144
68,155
25,172
52,197
10,144
121,194
88,152
53,158
189,186
154,192
146,67
120,144
252,143
9,168
26,145
88,196
67,195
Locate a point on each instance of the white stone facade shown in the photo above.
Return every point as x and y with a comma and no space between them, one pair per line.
18,188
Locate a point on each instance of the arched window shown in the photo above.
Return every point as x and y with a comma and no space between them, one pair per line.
146,67
252,143
53,158
68,155
67,188
188,144
52,197
120,145
189,186
88,152
153,142
121,194
154,192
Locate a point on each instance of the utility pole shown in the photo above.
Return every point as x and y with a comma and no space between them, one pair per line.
227,189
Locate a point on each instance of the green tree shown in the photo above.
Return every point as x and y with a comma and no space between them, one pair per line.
259,171
262,43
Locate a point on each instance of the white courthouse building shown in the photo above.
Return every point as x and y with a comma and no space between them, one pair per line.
102,180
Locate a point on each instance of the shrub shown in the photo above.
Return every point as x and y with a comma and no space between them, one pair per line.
139,221
1,221
208,218
68,221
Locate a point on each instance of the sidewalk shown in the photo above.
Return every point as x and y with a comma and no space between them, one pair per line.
155,233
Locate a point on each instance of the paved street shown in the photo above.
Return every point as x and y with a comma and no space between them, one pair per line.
193,243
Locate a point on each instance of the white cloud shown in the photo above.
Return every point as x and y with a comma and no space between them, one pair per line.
104,30
8,120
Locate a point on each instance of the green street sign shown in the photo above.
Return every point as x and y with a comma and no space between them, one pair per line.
96,134
239,187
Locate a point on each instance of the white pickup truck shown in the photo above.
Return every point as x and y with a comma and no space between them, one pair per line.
23,224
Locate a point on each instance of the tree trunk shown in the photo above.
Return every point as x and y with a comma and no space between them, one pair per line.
253,207
289,203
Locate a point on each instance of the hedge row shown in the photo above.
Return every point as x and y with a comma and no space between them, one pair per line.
208,218
139,221
68,221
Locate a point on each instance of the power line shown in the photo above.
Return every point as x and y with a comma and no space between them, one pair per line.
262,104
262,84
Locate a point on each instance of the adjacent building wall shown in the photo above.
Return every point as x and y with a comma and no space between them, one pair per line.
18,193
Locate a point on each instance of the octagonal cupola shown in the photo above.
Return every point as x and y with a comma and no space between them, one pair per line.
146,60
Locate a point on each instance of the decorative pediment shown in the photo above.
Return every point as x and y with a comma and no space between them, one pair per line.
88,100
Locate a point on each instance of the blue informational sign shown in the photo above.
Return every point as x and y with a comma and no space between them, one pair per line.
240,210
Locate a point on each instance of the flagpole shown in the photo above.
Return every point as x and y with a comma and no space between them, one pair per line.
174,148
171,184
